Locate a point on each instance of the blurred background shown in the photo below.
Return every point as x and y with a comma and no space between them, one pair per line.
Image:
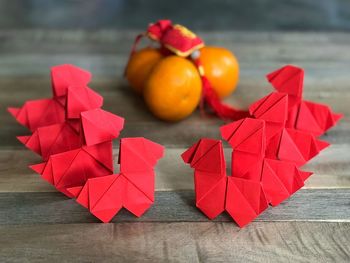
97,35
198,15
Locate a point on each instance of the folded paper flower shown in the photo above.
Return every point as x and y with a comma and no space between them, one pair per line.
132,188
74,137
267,149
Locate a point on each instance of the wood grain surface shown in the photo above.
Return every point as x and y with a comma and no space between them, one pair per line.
37,224
326,205
176,242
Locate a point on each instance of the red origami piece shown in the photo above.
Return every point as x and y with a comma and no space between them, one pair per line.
281,143
267,151
66,75
245,200
99,128
38,113
74,137
74,168
96,126
132,188
255,182
207,159
81,99
311,117
69,86
52,139
248,140
256,179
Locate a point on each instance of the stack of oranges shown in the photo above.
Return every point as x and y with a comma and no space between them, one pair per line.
171,85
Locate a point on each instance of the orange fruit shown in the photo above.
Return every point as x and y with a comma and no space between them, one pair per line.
140,66
221,68
173,89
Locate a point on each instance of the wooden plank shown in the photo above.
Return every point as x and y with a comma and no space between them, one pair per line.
176,242
140,122
48,208
104,41
331,170
105,52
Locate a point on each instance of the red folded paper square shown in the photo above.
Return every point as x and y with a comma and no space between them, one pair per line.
311,117
132,188
207,158
255,182
71,96
95,126
66,75
74,137
245,200
281,143
74,168
38,113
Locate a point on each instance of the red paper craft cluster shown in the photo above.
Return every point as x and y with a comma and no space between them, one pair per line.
73,135
268,147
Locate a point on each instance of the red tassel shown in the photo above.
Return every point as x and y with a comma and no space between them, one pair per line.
211,98
223,111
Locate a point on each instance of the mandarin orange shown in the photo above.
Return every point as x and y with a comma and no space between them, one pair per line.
221,68
173,89
140,65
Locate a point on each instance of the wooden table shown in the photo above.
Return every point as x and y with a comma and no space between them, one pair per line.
39,224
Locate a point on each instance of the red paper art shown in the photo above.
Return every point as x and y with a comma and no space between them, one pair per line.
132,188
73,135
66,80
314,118
267,150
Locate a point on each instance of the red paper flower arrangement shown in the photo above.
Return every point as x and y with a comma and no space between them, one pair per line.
73,135
267,150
